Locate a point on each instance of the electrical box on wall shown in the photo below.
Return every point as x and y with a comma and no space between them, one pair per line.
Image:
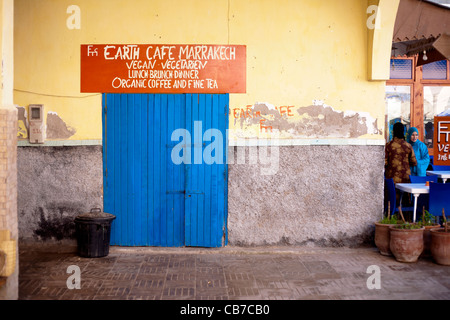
36,120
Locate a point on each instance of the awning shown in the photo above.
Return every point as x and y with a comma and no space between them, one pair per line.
422,26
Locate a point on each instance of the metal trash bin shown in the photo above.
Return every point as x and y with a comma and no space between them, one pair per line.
93,231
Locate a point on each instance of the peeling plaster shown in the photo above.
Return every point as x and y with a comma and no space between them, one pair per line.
22,123
318,120
57,128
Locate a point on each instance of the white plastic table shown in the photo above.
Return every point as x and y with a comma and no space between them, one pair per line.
416,189
444,175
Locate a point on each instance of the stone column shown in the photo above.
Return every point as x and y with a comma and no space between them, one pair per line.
8,144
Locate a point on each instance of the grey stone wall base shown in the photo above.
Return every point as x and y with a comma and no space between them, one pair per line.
55,184
320,195
303,195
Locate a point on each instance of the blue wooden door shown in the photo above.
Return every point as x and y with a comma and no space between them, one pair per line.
206,174
158,201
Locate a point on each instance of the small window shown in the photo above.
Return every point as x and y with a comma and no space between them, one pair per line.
401,69
435,70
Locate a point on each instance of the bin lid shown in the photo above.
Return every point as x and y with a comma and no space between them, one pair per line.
94,215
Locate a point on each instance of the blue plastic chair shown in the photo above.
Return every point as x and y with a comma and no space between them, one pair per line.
418,179
439,199
390,185
441,168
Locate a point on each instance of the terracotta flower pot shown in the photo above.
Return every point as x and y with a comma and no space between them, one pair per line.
440,246
406,244
382,238
427,240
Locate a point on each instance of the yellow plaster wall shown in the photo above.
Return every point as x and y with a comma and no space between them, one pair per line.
297,51
6,45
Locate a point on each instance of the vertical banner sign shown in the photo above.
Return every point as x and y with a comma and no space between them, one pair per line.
441,145
157,68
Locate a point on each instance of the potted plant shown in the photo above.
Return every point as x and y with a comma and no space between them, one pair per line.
406,241
429,222
440,243
382,233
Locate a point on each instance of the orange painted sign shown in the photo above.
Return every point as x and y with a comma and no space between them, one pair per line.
441,143
158,68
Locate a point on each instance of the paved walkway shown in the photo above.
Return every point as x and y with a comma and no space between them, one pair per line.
229,273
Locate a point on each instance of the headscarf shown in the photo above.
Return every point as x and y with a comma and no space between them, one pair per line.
399,130
410,132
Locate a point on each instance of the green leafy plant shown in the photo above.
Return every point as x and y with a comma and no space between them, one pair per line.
403,224
389,219
428,219
409,226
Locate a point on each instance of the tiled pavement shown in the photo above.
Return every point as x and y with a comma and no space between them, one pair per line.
230,273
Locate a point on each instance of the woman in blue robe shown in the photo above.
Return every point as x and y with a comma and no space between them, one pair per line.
421,152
